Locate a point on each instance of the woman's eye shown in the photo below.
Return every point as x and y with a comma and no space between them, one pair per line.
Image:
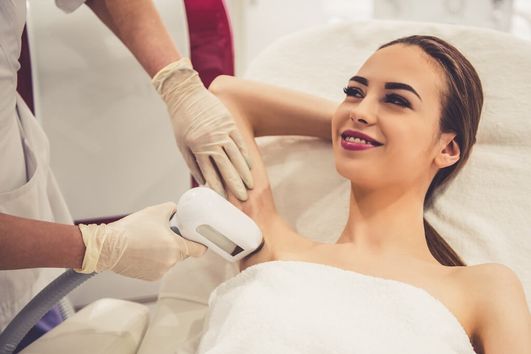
397,100
353,92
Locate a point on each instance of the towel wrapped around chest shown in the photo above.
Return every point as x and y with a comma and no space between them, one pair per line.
301,307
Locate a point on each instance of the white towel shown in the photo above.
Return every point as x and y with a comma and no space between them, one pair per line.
300,307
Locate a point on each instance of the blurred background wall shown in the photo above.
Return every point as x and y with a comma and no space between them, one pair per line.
257,23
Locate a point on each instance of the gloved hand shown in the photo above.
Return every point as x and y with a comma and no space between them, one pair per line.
141,245
205,130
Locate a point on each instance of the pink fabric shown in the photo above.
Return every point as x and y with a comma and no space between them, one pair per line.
210,39
211,49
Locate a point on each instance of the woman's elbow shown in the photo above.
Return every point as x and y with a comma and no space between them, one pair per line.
222,85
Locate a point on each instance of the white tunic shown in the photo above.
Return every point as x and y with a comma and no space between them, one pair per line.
27,186
300,307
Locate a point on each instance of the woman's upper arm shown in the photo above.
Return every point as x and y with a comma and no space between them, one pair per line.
503,318
260,204
275,110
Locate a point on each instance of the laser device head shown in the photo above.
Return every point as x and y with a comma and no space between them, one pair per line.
204,216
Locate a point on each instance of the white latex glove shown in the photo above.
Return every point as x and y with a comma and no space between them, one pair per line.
141,245
205,130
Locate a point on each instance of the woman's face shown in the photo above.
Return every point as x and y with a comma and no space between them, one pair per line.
386,131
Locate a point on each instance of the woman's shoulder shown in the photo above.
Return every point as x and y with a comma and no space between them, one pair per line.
496,299
491,277
490,284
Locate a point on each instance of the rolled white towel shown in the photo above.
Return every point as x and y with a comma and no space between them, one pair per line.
302,307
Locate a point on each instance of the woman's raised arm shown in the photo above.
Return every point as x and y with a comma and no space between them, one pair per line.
273,110
260,110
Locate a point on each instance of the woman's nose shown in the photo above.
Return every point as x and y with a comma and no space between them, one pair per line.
364,112
357,119
363,118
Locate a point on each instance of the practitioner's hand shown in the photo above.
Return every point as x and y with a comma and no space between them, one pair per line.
140,245
205,130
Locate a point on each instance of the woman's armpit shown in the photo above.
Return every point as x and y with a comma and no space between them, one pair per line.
277,234
260,204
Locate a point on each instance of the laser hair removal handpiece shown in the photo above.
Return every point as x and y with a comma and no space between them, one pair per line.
206,217
202,216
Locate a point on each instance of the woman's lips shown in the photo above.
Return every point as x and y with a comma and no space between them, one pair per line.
349,145
355,140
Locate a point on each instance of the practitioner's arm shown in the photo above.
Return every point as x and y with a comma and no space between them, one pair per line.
137,23
218,159
26,243
141,245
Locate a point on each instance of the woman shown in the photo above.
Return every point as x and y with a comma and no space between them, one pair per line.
405,128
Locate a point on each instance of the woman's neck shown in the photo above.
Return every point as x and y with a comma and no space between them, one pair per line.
387,223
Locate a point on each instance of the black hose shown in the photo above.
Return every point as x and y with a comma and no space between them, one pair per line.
37,307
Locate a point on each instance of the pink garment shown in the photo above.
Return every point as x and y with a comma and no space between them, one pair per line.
211,49
210,39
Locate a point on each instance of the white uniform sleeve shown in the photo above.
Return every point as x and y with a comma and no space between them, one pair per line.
69,5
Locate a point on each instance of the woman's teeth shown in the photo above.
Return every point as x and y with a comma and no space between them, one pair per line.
357,140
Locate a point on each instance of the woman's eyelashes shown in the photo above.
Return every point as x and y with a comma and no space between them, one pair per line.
353,92
392,98
397,100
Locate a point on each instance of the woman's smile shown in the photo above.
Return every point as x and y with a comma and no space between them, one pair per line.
357,141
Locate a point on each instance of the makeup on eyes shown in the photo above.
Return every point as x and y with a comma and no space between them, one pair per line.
388,85
392,98
398,100
352,91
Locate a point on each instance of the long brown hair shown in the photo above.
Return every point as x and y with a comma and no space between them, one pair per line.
461,109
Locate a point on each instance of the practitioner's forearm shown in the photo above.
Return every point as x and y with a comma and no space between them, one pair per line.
273,110
138,25
26,243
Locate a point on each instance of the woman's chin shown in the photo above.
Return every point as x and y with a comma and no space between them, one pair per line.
359,179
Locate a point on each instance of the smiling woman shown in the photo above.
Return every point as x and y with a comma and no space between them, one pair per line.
405,128
453,99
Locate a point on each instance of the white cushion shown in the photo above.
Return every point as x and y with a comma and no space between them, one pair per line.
177,325
105,326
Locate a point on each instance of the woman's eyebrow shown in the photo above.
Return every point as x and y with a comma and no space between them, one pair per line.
401,86
360,80
388,85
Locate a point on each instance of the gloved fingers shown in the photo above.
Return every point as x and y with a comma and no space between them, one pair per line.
190,160
193,249
239,162
229,176
163,212
238,140
209,172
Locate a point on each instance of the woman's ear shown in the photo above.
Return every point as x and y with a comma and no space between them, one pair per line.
449,153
